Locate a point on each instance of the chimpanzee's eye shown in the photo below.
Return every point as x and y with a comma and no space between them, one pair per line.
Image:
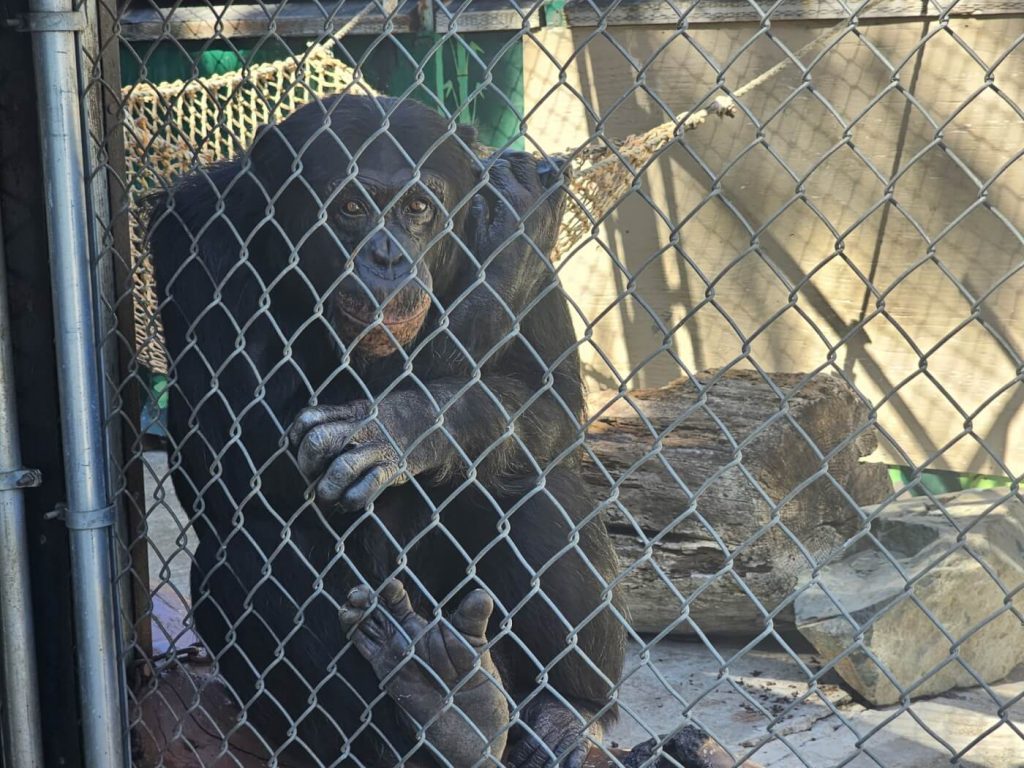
353,208
418,206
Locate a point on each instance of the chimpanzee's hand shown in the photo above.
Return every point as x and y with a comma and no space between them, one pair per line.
522,190
440,674
354,457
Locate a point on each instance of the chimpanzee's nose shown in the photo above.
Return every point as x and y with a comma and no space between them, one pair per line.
384,251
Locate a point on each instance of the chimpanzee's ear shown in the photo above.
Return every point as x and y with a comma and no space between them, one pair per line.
468,133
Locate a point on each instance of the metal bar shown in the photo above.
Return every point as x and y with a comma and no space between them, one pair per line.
99,676
656,12
106,161
22,735
307,19
251,20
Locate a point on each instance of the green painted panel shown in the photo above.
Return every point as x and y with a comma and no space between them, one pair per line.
938,482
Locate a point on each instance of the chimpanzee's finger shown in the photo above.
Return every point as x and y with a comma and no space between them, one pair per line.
322,444
572,751
478,219
394,595
350,617
358,600
371,631
524,168
553,169
360,597
395,598
529,752
368,487
508,194
345,470
316,415
473,613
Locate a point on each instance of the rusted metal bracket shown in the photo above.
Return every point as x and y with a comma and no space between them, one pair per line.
18,479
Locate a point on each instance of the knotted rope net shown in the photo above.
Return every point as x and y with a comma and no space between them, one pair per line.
175,127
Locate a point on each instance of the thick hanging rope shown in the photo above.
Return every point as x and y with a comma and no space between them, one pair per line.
174,127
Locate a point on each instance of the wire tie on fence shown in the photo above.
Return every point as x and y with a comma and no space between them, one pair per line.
90,518
16,479
52,21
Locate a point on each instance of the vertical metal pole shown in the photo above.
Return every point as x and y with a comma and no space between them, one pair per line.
22,738
89,514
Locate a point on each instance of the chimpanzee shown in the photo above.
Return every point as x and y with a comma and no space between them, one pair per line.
422,526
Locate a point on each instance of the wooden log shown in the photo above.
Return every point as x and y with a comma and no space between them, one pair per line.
722,500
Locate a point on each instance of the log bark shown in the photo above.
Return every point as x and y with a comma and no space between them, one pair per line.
721,498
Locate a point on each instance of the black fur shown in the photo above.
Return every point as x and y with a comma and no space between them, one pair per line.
245,259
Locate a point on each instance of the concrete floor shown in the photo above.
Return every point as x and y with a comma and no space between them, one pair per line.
764,709
755,700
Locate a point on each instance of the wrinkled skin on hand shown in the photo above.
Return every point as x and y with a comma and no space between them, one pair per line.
422,664
353,455
553,732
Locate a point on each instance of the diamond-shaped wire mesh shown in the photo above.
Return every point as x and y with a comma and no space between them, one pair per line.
784,518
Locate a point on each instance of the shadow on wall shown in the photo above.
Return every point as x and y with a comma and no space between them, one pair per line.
843,231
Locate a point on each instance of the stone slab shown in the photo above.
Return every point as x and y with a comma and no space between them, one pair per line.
931,601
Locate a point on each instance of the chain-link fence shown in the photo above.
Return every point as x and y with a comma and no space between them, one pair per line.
602,383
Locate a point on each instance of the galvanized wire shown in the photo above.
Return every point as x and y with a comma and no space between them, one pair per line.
618,175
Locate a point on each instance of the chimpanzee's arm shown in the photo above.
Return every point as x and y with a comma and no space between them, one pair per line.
498,425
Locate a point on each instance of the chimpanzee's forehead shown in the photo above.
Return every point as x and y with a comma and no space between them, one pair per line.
387,151
384,155
383,168
385,181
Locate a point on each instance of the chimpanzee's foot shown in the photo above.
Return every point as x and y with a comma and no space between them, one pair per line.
557,732
428,662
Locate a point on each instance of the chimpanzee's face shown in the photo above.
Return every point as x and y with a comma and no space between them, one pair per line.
388,218
383,186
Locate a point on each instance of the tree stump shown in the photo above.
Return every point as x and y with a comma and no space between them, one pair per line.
720,501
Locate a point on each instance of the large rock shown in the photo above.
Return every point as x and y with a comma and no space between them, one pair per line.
721,501
947,621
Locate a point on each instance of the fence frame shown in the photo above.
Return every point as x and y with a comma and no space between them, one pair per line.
92,515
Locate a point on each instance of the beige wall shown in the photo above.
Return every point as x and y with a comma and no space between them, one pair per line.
908,316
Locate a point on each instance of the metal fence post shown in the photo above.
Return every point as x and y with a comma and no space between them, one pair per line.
22,739
90,515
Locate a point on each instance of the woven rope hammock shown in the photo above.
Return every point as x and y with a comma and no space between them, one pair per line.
175,127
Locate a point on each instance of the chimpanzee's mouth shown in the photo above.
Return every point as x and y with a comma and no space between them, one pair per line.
379,324
409,307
